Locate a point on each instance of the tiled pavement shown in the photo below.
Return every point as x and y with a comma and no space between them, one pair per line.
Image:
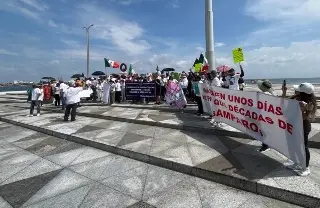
175,120
234,157
37,170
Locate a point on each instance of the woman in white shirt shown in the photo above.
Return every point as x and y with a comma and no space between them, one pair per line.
118,91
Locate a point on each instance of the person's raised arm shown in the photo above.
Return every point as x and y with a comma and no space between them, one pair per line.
242,72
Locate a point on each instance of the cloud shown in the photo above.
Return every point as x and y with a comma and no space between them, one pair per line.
51,23
36,4
6,52
28,8
288,11
175,4
280,19
128,36
219,44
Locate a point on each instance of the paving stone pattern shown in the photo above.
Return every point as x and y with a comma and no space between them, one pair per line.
37,170
153,116
232,156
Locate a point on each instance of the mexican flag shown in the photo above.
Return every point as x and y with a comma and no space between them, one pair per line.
110,63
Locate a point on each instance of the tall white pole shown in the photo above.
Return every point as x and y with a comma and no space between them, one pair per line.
209,35
87,29
88,46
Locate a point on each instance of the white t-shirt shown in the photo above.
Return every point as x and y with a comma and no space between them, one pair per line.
42,95
113,87
216,82
35,93
57,90
72,95
118,87
233,82
88,82
63,87
184,83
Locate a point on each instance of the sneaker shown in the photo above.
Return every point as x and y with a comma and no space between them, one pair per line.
303,172
38,114
30,115
294,167
264,149
199,114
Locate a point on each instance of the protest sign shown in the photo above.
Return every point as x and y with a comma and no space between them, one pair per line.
272,120
175,96
237,54
138,90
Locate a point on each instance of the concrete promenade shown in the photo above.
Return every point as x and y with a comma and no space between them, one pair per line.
38,170
229,160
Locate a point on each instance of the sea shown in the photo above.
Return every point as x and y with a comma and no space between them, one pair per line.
248,81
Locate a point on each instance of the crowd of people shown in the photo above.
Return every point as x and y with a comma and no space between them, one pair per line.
111,90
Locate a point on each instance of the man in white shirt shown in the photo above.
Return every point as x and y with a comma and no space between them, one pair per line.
35,100
63,88
72,95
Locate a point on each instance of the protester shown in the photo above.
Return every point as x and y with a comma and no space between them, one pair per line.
113,91
158,91
123,90
197,94
118,91
184,84
72,95
266,87
304,93
63,88
100,91
57,95
35,101
106,92
232,79
41,95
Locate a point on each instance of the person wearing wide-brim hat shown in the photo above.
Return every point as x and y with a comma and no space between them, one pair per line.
265,86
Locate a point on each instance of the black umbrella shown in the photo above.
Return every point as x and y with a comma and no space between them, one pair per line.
76,76
168,70
48,78
98,73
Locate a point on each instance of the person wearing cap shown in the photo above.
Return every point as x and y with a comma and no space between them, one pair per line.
266,87
304,93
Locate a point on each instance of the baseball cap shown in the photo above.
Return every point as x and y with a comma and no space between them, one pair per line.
307,88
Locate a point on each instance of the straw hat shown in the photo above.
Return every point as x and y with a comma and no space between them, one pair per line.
265,85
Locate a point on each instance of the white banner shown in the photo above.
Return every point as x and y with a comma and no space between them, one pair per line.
85,93
272,120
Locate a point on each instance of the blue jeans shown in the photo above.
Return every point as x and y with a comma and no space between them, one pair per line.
33,104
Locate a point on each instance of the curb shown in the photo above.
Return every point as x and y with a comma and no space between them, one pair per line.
232,181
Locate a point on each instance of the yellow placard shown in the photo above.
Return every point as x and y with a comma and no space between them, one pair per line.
237,54
197,67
